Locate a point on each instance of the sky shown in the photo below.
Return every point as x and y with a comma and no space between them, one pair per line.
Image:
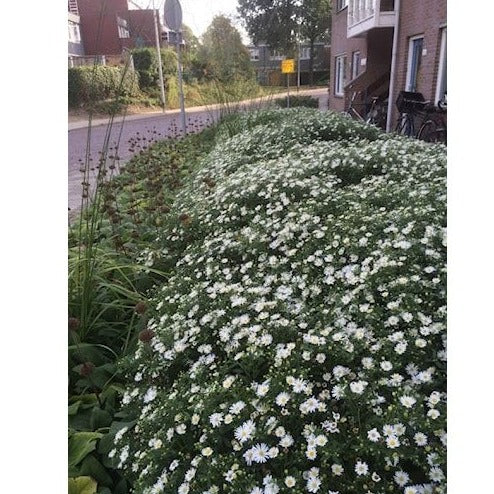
198,14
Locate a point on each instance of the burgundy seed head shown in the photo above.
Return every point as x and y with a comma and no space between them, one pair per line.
141,307
146,335
87,369
74,324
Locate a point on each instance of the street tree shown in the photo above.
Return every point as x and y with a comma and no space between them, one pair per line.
222,53
282,23
274,22
315,25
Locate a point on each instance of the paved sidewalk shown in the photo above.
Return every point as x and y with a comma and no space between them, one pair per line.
321,93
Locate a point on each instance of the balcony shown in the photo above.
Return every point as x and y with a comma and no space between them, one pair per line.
364,15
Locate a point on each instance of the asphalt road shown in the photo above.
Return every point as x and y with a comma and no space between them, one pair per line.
125,138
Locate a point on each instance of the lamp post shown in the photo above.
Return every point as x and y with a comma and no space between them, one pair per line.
158,50
173,19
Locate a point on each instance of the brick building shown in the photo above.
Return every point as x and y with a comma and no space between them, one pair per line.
364,33
102,30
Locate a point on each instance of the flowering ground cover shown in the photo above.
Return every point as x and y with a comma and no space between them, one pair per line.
299,344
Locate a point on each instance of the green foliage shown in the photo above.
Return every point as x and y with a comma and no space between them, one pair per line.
307,101
274,22
108,289
146,64
99,82
222,53
82,485
315,20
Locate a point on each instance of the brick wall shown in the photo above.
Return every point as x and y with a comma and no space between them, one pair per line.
420,17
141,25
99,27
340,45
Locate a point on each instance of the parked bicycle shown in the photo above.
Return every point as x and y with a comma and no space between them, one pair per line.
434,128
411,107
416,113
374,114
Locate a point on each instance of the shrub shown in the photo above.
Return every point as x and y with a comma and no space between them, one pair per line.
307,101
146,64
299,345
96,83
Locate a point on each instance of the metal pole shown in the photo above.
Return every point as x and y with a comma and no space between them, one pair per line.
158,49
180,85
298,67
288,89
393,67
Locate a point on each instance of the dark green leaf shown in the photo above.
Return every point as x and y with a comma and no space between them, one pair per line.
80,445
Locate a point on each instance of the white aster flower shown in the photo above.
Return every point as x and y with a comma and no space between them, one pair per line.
286,441
436,474
282,399
313,484
207,451
216,419
311,453
290,481
401,478
420,439
408,401
260,453
373,435
150,395
358,387
361,468
392,442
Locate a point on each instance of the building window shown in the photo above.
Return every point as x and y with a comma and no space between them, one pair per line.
341,4
305,53
74,32
254,54
339,75
414,63
123,28
355,64
276,55
441,87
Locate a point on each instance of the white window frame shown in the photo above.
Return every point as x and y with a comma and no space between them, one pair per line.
339,75
305,53
276,55
74,32
254,54
441,71
341,4
356,60
411,45
123,28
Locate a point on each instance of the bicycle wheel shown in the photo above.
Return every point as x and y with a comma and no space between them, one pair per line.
430,132
405,125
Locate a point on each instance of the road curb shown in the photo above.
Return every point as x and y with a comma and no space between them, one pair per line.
82,124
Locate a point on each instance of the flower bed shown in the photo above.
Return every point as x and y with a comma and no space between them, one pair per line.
299,345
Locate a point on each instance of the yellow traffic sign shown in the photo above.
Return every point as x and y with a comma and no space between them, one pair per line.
288,66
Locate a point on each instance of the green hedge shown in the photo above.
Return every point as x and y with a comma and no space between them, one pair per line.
307,101
146,64
97,83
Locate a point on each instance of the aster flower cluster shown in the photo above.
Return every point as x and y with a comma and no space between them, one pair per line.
299,345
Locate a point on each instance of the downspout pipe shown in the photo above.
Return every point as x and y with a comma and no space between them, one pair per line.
394,56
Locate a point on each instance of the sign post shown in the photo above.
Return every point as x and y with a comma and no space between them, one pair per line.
288,67
173,19
160,67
